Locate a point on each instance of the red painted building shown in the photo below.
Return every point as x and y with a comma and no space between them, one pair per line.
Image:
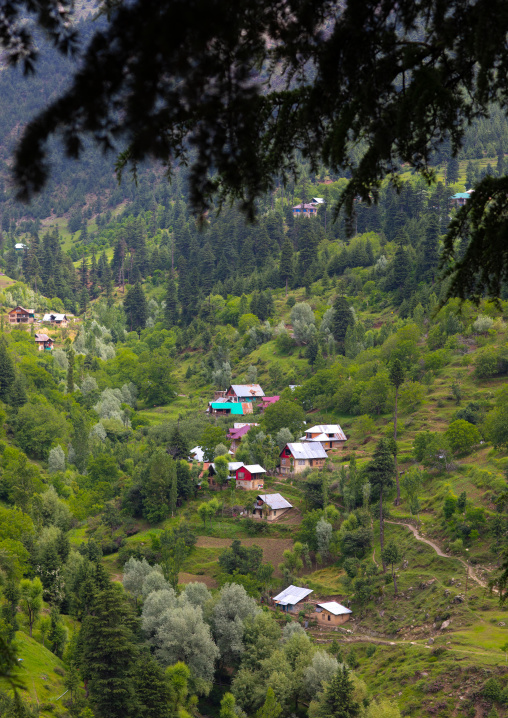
250,477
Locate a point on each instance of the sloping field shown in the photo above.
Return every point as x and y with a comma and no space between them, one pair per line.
273,549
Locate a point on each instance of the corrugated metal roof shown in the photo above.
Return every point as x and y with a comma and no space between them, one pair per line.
307,450
255,469
275,501
42,338
198,453
327,429
247,390
54,317
336,608
295,593
461,195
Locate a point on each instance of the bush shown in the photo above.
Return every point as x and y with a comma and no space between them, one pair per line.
492,690
462,436
482,324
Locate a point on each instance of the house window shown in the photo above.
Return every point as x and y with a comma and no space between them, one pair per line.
301,462
241,475
275,512
283,462
328,617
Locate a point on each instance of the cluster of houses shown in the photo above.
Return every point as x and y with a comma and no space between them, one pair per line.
20,315
329,614
308,209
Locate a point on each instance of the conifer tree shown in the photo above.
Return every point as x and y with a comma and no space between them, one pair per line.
7,374
17,395
171,301
286,262
173,492
337,700
177,444
70,370
152,688
107,653
342,319
135,308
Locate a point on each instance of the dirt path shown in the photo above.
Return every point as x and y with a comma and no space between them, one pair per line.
471,572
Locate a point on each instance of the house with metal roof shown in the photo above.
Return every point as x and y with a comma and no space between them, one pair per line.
267,401
270,506
330,436
57,319
291,596
460,198
20,315
250,477
226,408
244,392
332,613
305,210
298,456
44,343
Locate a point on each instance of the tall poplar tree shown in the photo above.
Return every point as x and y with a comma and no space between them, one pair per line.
396,375
381,470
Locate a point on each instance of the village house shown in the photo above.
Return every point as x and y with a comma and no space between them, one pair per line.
236,433
19,246
56,319
20,315
305,210
332,613
296,457
460,198
232,469
290,597
223,407
244,393
267,401
270,507
44,343
250,477
330,436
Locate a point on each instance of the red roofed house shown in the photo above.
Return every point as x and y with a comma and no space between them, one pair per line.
43,342
250,477
235,436
266,401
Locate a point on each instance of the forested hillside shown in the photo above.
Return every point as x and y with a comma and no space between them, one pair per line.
134,581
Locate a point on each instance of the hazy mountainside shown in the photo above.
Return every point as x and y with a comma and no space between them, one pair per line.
96,490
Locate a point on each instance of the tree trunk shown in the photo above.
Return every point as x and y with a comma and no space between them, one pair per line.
381,526
397,500
286,286
394,576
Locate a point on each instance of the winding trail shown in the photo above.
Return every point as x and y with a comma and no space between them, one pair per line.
472,574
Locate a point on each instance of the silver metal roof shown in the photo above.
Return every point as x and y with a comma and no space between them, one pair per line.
255,469
307,450
327,429
295,593
275,501
245,390
336,608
